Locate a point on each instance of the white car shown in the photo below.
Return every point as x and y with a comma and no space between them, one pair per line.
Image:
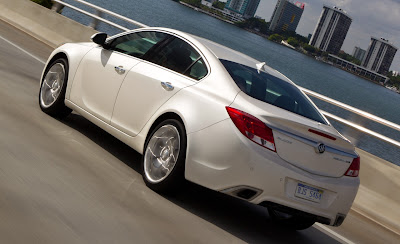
200,111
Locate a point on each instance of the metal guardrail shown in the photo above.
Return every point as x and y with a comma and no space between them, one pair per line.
359,112
58,4
97,15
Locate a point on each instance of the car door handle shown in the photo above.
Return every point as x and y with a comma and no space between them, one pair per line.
167,86
120,70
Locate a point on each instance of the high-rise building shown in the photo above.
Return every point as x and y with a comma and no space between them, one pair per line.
286,16
359,53
247,8
379,56
331,30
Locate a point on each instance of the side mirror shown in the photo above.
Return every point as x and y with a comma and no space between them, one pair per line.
99,38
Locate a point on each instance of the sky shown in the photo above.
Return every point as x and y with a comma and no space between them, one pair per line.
378,18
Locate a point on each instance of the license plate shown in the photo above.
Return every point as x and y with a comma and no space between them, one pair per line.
309,193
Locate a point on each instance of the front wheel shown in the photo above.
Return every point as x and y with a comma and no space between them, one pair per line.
52,89
164,156
290,221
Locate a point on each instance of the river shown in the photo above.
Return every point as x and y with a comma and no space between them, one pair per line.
303,70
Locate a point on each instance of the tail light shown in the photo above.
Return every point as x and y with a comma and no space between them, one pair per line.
252,128
354,168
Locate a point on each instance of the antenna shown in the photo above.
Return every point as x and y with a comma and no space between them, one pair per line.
260,66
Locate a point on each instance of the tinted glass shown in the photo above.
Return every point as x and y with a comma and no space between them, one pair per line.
272,90
137,44
198,70
176,55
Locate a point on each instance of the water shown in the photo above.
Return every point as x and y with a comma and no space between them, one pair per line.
303,70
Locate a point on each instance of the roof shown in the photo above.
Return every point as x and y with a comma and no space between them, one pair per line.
339,10
225,53
384,41
222,52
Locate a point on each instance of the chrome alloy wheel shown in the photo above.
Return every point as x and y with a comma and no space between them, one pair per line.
52,85
161,153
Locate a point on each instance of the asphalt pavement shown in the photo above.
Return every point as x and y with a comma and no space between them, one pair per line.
70,182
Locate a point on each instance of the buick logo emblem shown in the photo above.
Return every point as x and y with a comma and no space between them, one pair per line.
320,148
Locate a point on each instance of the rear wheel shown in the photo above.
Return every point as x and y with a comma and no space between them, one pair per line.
164,156
290,221
52,89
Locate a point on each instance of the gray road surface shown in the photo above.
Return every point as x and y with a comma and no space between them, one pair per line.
70,182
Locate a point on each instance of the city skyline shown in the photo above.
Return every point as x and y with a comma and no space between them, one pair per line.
370,18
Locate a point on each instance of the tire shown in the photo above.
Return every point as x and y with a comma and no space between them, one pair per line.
52,89
290,221
163,161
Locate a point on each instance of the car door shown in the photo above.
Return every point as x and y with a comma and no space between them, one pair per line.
173,66
102,71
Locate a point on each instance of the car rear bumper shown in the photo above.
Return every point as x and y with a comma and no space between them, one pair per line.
221,158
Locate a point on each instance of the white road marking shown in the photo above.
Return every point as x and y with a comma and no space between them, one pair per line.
22,50
332,234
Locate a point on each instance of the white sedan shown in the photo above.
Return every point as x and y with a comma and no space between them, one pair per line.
200,111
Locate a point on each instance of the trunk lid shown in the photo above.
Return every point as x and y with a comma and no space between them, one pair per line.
310,145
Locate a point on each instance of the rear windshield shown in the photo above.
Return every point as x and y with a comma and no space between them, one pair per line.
272,90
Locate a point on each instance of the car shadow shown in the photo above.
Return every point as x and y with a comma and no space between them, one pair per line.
244,220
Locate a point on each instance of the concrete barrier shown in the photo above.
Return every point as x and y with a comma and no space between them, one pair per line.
45,25
379,195
378,198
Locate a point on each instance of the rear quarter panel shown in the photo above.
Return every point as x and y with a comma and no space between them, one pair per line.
200,105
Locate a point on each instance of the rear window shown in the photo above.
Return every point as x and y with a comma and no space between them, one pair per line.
272,90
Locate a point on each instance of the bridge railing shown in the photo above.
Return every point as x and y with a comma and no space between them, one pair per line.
359,112
99,12
97,16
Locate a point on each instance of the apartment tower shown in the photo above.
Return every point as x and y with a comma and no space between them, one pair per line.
247,8
379,56
286,16
359,53
331,30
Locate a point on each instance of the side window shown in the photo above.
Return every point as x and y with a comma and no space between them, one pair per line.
138,43
198,70
176,55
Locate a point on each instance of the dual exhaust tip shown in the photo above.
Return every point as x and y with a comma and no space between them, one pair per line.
243,192
248,193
